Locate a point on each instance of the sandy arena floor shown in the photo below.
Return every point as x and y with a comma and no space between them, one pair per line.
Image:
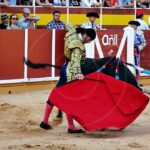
20,115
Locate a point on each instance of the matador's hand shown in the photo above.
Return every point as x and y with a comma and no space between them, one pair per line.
79,76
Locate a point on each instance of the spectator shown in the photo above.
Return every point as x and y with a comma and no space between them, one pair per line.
75,2
143,3
23,2
107,3
43,3
91,24
14,22
59,3
125,3
139,18
12,2
72,3
90,3
56,23
5,22
4,3
26,22
139,44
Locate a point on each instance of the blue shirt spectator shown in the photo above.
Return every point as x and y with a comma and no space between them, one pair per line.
12,2
57,2
56,23
124,2
9,2
25,22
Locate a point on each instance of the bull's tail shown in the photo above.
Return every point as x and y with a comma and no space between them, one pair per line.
39,65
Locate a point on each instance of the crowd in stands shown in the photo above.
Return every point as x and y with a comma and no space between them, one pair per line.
28,22
13,22
82,3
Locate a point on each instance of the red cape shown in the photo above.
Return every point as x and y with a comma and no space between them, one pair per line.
100,101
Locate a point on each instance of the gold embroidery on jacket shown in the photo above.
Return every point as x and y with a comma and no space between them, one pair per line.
74,52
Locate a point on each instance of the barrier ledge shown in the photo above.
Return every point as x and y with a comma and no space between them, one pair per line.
45,85
26,87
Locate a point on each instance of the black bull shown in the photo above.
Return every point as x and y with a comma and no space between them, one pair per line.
92,65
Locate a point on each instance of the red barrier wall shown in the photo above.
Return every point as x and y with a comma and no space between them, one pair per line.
40,50
145,54
59,49
11,54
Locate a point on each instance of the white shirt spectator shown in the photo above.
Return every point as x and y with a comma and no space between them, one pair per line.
90,25
143,24
87,3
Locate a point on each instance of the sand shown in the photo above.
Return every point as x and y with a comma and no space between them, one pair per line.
20,115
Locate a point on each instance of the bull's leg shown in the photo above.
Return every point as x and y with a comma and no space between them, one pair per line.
59,118
59,114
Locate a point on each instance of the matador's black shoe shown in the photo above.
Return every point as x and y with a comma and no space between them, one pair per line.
75,131
45,126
